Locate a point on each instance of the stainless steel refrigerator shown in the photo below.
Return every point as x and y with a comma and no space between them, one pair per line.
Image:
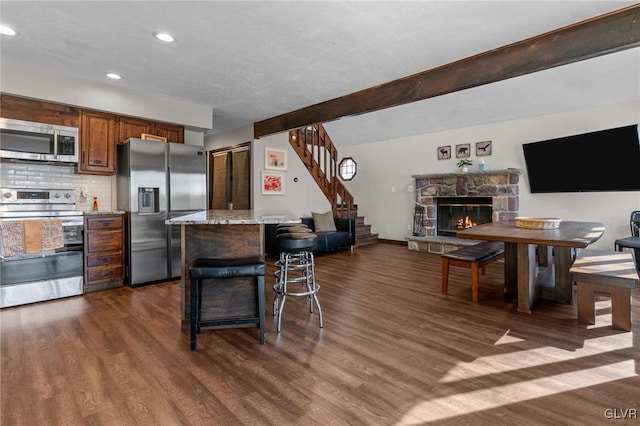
157,181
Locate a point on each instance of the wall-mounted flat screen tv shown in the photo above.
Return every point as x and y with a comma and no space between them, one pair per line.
606,160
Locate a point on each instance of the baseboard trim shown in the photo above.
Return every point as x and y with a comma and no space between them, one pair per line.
396,242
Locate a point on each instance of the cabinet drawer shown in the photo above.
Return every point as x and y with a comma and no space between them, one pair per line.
102,274
103,259
104,241
105,222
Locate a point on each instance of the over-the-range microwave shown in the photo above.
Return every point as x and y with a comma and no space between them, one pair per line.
28,140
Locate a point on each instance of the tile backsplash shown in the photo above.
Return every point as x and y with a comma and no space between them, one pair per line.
47,176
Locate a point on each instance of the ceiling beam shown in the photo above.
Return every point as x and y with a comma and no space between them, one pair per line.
602,35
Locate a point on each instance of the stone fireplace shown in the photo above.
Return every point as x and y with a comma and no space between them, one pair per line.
456,213
448,198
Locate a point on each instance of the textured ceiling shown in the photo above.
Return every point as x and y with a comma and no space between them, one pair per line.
250,61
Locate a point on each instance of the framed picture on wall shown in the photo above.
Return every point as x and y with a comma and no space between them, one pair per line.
463,150
275,159
444,152
272,183
483,148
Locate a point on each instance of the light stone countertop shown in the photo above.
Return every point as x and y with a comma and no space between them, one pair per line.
93,213
235,217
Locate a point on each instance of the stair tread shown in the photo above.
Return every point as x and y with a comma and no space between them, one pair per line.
364,241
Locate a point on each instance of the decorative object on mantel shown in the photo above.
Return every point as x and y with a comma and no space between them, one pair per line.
463,150
464,164
148,137
444,152
483,148
538,222
482,166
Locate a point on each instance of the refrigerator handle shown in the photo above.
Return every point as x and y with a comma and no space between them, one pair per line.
149,214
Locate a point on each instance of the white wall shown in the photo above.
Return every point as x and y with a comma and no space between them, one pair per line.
391,163
223,140
301,197
49,85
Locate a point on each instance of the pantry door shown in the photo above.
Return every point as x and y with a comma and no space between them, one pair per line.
230,178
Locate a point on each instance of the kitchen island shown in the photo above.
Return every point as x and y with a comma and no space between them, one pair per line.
225,234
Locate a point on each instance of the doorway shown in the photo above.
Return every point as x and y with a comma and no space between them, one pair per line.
230,177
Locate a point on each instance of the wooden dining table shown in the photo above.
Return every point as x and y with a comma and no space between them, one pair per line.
537,261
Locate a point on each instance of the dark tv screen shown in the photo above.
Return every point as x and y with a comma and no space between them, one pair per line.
606,160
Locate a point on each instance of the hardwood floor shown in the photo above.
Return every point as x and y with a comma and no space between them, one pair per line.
393,351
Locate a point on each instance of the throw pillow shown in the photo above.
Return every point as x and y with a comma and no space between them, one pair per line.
323,222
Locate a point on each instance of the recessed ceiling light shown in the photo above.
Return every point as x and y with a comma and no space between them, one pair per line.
113,75
164,36
4,30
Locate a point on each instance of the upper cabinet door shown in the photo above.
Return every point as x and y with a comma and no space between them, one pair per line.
172,132
38,110
129,127
97,143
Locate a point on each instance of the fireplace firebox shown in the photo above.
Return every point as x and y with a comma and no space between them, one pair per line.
456,213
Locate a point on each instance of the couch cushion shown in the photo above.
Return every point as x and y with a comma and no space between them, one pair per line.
330,241
323,222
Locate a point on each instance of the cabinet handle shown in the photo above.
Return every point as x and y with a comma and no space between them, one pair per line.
105,223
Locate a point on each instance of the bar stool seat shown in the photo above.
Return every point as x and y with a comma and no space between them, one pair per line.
296,266
209,268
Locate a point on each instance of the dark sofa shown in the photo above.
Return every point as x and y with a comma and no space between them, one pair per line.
344,237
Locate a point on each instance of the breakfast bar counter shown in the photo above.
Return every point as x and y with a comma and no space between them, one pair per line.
224,234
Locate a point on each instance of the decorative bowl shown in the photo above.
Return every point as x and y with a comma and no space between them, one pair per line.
538,222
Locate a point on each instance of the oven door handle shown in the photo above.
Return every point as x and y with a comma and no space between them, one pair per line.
73,223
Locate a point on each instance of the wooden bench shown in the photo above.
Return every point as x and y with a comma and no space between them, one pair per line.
607,272
476,258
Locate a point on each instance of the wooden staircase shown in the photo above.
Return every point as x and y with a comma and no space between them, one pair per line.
317,152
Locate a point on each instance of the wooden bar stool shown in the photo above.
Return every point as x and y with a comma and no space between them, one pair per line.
208,268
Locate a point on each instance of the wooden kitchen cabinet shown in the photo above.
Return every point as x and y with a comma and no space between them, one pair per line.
100,132
132,127
103,252
40,111
172,132
97,143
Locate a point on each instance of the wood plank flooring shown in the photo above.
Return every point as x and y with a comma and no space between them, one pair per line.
393,351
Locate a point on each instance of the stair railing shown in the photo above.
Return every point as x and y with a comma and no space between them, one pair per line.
320,156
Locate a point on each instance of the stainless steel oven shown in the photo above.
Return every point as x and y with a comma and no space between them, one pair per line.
51,274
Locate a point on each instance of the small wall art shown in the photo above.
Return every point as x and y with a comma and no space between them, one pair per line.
444,152
483,148
272,183
463,150
275,159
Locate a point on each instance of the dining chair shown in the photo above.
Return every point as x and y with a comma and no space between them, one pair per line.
632,242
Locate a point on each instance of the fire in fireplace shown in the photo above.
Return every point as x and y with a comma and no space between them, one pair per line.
456,213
